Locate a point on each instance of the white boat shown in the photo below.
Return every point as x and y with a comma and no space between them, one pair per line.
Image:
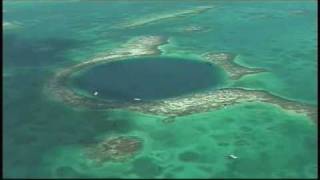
137,99
96,93
233,156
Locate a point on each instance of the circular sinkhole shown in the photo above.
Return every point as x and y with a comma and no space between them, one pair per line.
149,78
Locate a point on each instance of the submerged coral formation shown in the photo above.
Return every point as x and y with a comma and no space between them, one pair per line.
156,18
115,149
217,99
11,25
226,61
177,106
192,28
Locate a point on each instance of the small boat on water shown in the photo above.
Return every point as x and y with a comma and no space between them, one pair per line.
137,99
96,93
232,156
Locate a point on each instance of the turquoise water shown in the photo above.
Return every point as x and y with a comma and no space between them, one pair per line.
47,138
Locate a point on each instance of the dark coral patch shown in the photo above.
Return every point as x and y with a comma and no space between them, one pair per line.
189,156
146,168
119,148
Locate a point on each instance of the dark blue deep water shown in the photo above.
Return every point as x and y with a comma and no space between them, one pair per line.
148,78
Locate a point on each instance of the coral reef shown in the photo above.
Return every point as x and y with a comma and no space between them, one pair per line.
192,28
217,99
226,61
115,149
160,17
11,25
178,106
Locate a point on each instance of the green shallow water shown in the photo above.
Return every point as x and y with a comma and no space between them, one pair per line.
45,138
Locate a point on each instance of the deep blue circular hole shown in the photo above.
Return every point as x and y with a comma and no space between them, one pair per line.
147,78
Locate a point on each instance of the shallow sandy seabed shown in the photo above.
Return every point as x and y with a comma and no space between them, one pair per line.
177,106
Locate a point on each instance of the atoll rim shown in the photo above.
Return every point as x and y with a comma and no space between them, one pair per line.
186,104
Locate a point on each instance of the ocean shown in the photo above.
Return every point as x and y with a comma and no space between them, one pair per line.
45,137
